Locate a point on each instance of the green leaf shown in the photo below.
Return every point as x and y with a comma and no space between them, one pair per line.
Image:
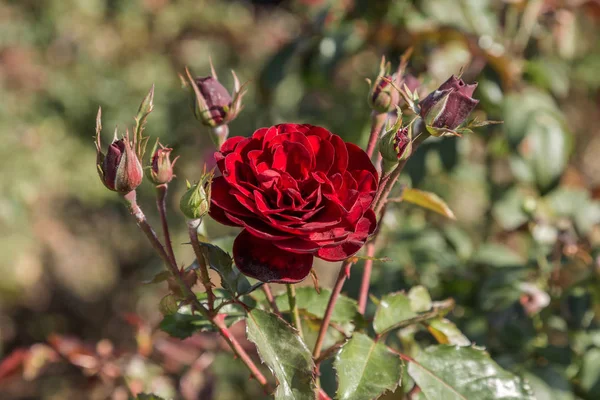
420,300
184,323
461,373
393,309
445,332
427,200
546,150
232,279
285,353
366,369
314,303
548,383
497,255
160,277
509,210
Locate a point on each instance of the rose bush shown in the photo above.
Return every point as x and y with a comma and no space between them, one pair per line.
299,192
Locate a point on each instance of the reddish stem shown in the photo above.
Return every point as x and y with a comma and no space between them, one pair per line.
366,279
267,289
239,351
204,277
161,203
377,121
337,289
140,218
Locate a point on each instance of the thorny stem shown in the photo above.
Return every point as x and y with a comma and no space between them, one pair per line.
161,196
366,279
267,289
291,292
204,277
377,121
238,350
335,293
345,269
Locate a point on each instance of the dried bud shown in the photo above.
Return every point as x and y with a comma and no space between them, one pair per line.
212,103
395,145
161,168
120,169
195,202
450,105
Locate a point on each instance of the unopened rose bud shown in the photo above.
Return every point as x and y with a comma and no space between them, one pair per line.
395,145
384,97
195,202
213,105
450,105
161,168
120,169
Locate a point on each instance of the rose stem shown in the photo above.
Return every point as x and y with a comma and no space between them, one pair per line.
267,289
366,278
161,196
345,269
193,225
337,289
143,224
377,122
291,292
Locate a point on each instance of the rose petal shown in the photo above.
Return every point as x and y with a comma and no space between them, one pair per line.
218,214
360,160
222,198
258,228
261,260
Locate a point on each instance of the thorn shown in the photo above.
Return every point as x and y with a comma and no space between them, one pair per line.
212,68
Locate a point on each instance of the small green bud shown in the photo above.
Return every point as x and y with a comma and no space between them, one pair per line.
395,145
195,202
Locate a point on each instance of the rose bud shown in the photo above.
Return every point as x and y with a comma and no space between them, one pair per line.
161,167
120,169
384,97
213,105
450,105
195,202
395,145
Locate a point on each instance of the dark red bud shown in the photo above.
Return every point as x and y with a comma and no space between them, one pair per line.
450,105
384,96
161,170
217,98
121,169
402,143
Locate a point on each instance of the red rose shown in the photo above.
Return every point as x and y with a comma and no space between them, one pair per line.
298,191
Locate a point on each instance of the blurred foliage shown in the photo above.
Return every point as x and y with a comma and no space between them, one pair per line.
521,260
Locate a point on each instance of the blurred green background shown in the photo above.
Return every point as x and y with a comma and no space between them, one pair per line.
522,260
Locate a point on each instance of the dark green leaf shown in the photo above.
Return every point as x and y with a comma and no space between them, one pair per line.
183,323
366,369
232,279
393,309
285,353
160,277
465,373
314,303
